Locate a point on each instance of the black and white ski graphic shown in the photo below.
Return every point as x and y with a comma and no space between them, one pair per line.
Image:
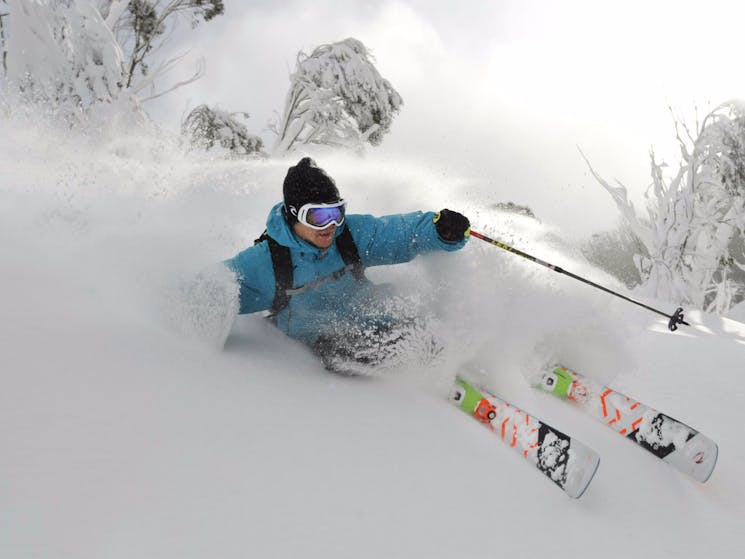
676,443
566,461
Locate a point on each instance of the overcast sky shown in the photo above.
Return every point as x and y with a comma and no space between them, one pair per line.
502,90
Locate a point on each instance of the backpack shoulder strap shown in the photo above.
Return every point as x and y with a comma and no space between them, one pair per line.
264,236
283,272
349,253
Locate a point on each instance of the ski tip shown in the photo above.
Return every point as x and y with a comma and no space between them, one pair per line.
577,488
697,458
705,473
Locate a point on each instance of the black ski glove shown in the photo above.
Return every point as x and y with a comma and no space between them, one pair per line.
451,226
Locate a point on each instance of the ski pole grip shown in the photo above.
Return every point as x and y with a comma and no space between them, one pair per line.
675,319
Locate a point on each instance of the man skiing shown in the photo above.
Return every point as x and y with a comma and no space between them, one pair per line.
307,269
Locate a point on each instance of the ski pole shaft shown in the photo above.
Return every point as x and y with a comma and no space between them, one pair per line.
674,319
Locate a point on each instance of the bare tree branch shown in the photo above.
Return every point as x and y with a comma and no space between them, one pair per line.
2,43
147,22
198,74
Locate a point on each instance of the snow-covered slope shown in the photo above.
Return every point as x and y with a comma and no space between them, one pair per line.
124,438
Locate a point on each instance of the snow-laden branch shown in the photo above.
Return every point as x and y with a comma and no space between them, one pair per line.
695,227
62,54
207,128
74,54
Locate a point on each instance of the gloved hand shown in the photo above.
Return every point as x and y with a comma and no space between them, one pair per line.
451,226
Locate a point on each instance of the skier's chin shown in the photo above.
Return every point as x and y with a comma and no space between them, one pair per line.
324,242
323,239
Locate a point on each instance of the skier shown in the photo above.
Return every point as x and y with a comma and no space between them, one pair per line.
307,269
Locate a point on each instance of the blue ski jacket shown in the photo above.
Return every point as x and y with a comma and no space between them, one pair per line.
383,240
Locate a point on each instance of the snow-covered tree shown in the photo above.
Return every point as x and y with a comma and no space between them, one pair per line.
616,251
695,225
61,53
207,127
71,55
336,97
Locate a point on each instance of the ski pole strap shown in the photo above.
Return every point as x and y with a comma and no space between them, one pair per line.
673,320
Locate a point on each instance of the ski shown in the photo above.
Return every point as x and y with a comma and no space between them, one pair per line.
566,461
684,448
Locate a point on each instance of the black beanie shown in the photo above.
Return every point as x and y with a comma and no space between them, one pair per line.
307,183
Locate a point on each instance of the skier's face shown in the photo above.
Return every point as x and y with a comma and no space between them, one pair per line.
318,238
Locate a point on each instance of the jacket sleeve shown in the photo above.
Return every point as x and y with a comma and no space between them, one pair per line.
393,239
255,275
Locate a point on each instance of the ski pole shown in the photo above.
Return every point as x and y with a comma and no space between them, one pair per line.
674,319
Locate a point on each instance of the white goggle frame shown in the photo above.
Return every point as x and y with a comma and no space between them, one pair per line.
302,214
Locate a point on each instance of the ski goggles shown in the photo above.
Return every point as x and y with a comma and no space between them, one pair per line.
320,216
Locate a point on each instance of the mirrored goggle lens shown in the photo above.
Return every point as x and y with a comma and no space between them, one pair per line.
321,217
